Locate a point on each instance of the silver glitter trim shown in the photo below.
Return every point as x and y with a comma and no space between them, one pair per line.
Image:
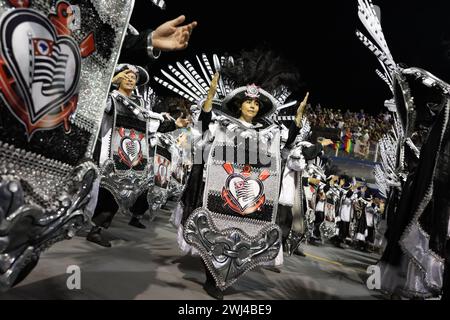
92,99
44,176
51,224
125,186
114,12
230,253
414,224
157,197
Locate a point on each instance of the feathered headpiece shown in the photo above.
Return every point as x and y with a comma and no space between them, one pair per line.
369,19
141,74
257,74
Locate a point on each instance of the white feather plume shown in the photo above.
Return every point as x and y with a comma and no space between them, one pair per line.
386,78
370,20
193,84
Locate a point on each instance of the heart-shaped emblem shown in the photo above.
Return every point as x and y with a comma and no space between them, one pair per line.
46,66
243,194
131,150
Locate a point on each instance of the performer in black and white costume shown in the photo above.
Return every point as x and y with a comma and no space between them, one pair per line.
415,263
345,214
319,213
364,215
292,203
125,153
332,190
372,217
236,206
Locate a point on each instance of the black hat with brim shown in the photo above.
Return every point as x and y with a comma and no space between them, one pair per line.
141,74
267,103
346,186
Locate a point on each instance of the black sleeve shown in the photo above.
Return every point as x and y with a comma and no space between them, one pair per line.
167,126
205,118
305,181
106,122
134,48
293,133
312,152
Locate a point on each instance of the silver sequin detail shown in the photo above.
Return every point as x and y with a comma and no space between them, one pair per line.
43,175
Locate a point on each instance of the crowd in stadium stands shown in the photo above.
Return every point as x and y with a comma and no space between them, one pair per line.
358,129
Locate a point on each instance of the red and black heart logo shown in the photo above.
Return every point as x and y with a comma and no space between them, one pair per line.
45,66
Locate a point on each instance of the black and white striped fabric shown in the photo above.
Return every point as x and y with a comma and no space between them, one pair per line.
285,118
49,68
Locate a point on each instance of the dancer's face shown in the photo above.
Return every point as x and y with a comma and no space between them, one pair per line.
129,83
249,109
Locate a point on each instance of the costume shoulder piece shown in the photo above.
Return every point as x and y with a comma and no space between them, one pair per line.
56,63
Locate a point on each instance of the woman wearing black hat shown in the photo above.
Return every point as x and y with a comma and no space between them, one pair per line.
249,104
229,217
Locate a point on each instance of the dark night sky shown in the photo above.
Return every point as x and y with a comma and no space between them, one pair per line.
318,37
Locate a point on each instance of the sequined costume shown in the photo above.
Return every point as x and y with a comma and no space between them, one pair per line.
415,261
236,206
292,203
55,73
126,156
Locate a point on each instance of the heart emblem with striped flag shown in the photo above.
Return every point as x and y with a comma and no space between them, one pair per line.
130,148
244,192
45,66
241,193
